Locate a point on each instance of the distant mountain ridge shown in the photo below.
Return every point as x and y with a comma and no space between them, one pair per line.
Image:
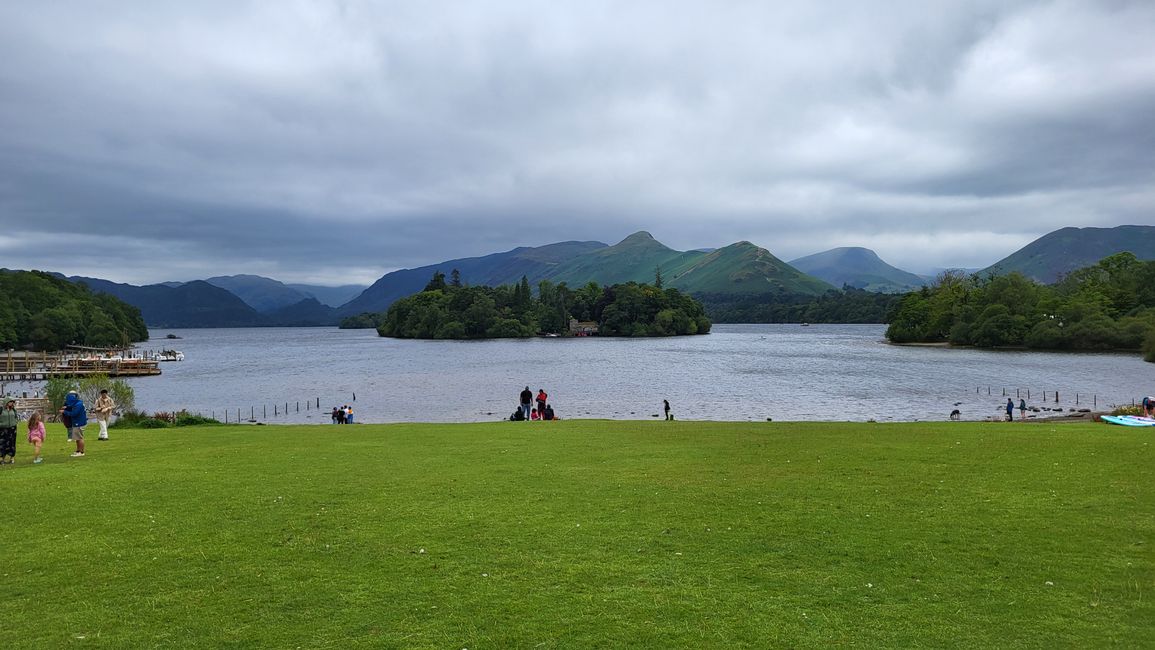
1057,253
860,268
737,268
740,269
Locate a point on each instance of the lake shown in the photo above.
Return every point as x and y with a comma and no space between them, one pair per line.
738,372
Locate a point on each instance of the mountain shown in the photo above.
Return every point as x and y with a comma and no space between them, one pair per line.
260,293
306,313
744,268
1055,254
494,269
191,304
860,268
331,296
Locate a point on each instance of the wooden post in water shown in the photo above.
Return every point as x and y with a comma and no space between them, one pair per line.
1056,397
274,410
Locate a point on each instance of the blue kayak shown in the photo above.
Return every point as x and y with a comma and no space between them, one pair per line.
1129,420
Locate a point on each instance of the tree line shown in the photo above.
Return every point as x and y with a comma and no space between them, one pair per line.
450,310
44,312
1108,306
851,305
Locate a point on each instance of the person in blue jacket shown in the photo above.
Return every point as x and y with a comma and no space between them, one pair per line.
1010,410
74,410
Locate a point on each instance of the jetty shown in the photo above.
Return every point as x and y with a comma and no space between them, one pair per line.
18,365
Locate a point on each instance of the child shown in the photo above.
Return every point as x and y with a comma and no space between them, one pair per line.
36,434
534,415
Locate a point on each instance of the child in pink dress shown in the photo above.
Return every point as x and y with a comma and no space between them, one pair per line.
36,433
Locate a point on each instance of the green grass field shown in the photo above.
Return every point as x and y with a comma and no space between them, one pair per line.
584,534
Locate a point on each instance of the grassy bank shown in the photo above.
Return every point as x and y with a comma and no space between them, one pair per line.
582,534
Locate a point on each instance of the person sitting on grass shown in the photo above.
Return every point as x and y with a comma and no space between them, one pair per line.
36,435
534,415
548,413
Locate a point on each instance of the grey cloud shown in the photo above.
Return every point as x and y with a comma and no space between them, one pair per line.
332,140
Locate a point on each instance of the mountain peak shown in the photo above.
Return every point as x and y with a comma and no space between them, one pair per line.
640,237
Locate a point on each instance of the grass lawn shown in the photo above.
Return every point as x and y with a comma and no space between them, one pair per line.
584,534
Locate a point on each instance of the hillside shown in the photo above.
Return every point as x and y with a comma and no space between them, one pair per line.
192,304
743,268
740,268
1055,254
492,270
330,296
261,293
858,267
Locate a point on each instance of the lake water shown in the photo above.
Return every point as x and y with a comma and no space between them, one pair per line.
738,372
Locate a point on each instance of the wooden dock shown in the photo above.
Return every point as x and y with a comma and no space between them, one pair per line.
40,366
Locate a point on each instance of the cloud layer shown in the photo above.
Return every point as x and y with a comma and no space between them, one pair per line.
331,141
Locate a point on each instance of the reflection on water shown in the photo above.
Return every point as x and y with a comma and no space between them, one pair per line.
739,372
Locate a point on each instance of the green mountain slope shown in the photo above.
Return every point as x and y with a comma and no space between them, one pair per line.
743,268
858,267
1055,254
632,259
491,270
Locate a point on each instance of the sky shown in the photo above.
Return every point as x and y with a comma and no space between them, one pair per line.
330,142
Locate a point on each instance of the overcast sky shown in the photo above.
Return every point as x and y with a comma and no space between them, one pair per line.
330,142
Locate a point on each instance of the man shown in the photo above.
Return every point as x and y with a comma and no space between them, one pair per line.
9,420
77,417
526,402
1010,410
104,406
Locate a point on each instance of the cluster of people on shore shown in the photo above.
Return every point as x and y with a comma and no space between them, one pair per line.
528,412
343,414
74,416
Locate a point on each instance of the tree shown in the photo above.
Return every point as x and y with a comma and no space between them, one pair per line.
658,276
437,283
455,279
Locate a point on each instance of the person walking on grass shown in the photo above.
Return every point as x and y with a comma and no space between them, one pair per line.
526,402
36,435
103,408
9,420
1010,410
77,418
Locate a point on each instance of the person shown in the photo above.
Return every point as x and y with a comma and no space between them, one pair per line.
548,415
334,415
9,420
526,401
518,415
1022,409
666,406
1148,405
103,408
542,398
534,415
67,422
341,415
36,435
348,415
1010,410
77,418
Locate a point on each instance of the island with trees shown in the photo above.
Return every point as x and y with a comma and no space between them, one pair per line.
1108,306
451,310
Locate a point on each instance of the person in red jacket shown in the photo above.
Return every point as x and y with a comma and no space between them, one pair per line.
541,400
